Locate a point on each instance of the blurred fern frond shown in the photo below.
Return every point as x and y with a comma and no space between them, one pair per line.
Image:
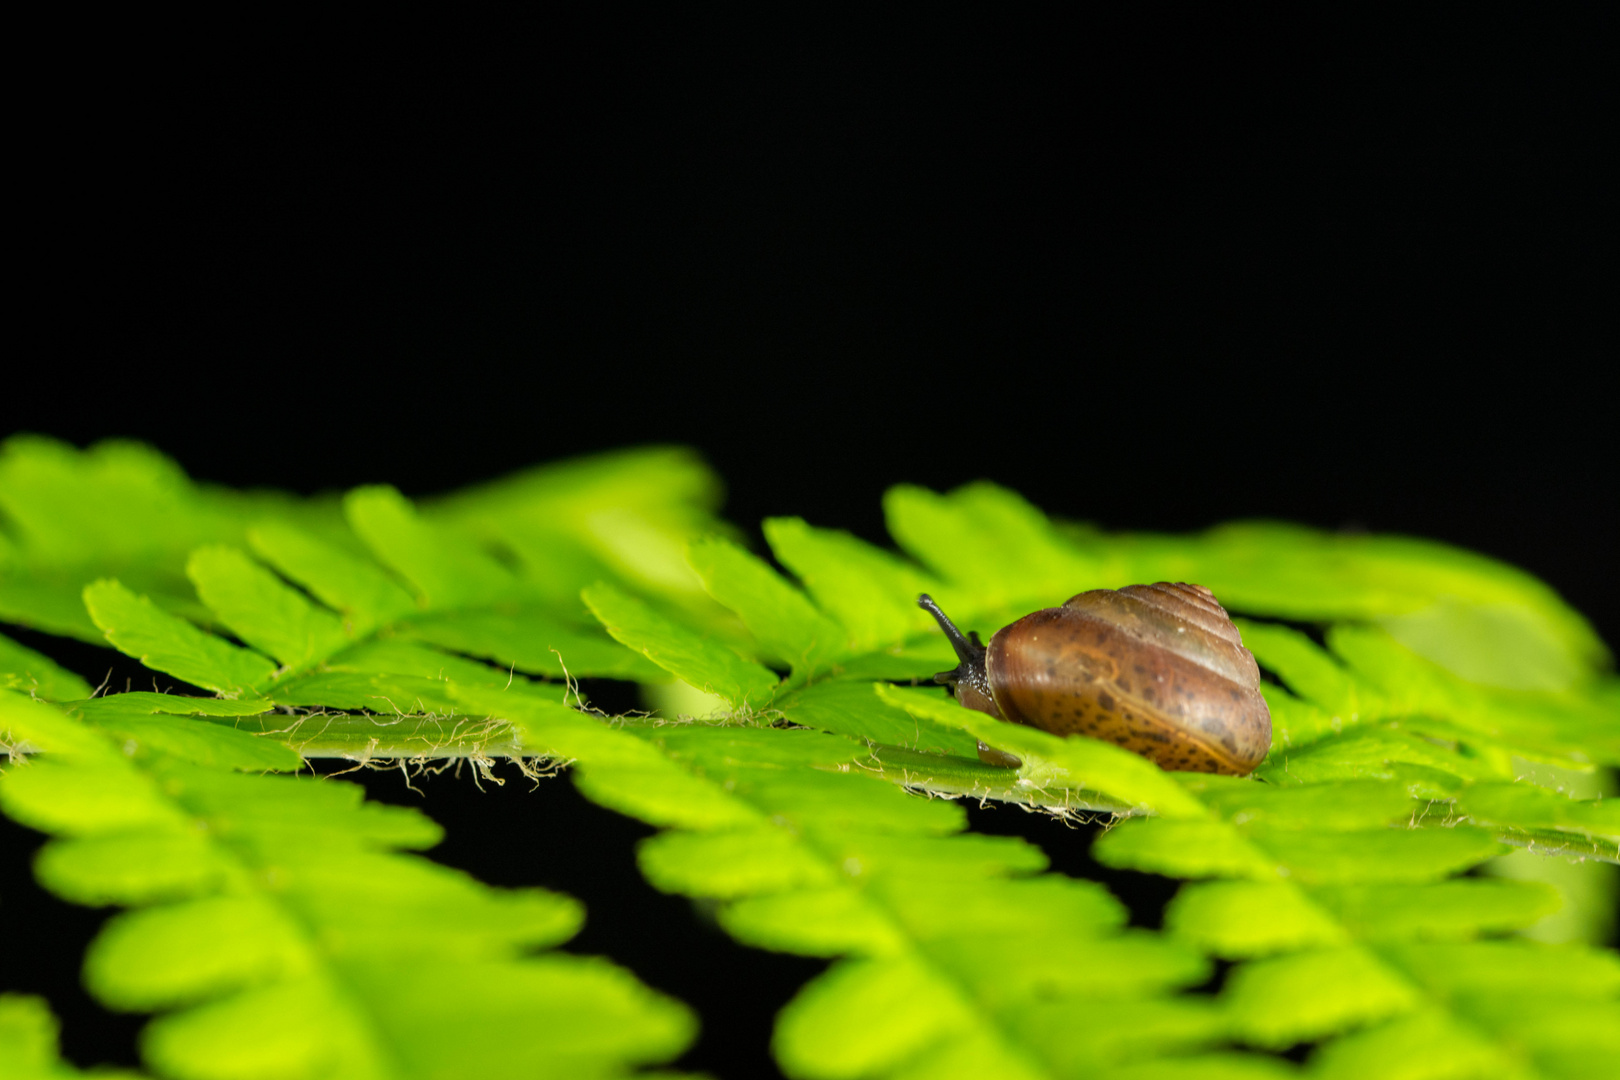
276,925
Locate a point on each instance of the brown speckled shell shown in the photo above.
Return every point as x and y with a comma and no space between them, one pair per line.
1158,669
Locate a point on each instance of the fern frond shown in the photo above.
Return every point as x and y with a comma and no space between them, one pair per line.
176,572
28,1043
117,509
1392,774
23,669
280,931
949,939
694,657
1419,744
622,515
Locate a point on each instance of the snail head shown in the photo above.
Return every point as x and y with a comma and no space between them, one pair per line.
968,680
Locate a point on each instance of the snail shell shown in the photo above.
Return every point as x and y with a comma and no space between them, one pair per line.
1157,669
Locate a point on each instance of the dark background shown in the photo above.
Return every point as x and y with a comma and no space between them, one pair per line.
1157,270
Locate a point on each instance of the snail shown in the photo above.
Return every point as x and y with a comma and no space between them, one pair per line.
1157,669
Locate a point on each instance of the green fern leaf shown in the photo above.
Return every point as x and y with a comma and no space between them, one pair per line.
1558,726
444,573
867,590
1346,853
1458,908
174,536
146,723
28,1043
1248,918
1300,573
261,610
850,707
1080,764
786,624
626,514
169,643
283,936
1417,746
357,588
808,852
1360,820
992,537
528,640
703,662
1303,996
118,509
1526,806
23,669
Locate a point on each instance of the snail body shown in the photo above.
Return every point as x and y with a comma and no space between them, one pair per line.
1157,669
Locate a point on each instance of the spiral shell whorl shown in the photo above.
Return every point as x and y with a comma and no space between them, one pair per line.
1192,603
1183,619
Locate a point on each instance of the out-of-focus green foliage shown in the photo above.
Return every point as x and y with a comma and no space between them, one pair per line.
28,1043
1448,711
279,931
310,585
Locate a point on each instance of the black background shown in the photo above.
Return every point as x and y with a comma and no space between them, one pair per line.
1155,270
